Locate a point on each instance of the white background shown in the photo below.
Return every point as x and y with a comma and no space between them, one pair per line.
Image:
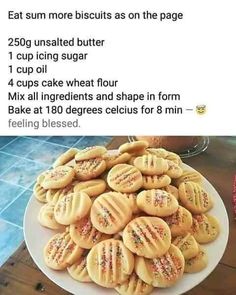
194,57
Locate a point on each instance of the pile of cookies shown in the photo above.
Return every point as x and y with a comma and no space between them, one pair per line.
132,221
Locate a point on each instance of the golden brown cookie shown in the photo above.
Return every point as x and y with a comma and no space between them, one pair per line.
78,271
174,158
151,165
72,207
174,170
46,217
58,177
194,198
112,160
134,286
124,178
159,152
65,157
157,202
155,181
89,169
110,212
133,147
205,228
187,175
197,263
84,234
55,195
41,176
147,236
180,222
61,251
91,152
187,245
92,187
161,272
40,193
132,197
110,263
172,190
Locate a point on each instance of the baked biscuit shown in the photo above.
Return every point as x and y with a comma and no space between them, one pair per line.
112,160
40,193
72,208
174,170
110,263
161,272
157,202
197,263
132,197
147,236
41,176
55,195
187,245
71,163
134,286
91,152
61,251
159,152
155,181
110,212
65,157
58,177
92,187
89,169
131,160
46,217
194,198
151,165
205,228
78,271
174,158
172,190
84,234
125,178
180,222
187,175
133,147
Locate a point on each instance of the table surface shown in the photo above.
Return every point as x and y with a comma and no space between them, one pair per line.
20,276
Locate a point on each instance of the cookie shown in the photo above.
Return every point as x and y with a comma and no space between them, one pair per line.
72,207
194,198
91,152
161,272
110,263
41,176
155,181
187,245
159,152
65,157
84,234
133,147
125,178
157,202
172,190
134,286
193,176
174,158
112,160
151,165
61,251
78,271
132,197
92,187
147,236
89,169
40,193
110,212
197,263
180,222
205,228
174,170
46,217
58,177
55,195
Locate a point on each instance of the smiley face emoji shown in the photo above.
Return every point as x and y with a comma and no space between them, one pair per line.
201,109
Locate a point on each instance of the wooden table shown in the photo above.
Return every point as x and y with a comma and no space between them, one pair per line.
20,276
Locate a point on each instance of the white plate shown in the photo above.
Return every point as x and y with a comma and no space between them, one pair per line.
37,236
